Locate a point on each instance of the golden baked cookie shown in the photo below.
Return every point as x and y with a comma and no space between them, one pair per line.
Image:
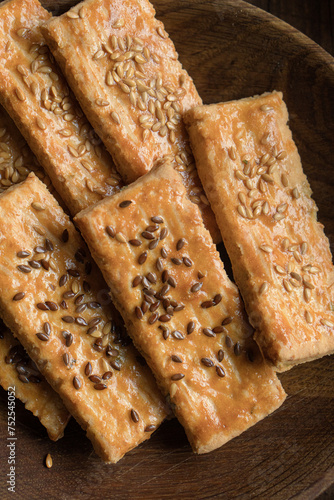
37,97
180,308
124,70
253,177
20,376
66,322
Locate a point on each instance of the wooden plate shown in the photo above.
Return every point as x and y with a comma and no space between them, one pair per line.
232,50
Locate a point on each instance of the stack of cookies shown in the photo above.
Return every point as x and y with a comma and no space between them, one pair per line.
141,321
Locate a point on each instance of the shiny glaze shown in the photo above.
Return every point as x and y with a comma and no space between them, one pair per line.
134,149
24,57
213,409
278,315
39,398
104,414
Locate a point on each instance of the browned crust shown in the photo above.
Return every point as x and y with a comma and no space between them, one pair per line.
38,398
134,129
212,408
293,316
97,333
36,96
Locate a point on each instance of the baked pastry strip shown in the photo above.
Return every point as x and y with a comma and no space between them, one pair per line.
18,372
180,308
253,177
16,162
37,97
124,70
65,321
16,159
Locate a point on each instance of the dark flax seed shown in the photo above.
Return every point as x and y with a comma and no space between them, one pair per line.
125,203
76,383
134,416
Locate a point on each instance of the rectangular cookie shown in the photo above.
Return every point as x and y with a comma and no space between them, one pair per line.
253,177
124,71
16,159
17,370
180,308
16,162
66,322
36,96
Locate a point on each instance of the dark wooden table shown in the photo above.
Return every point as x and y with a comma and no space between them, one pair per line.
290,440
314,18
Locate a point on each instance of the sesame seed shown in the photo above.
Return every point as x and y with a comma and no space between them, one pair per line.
164,318
177,376
19,296
237,349
187,262
266,248
227,321
137,280
88,369
196,287
72,15
217,298
119,23
326,322
147,235
280,270
266,108
20,95
48,461
176,358
307,294
65,236
115,117
120,238
218,329
153,318
308,317
68,319
134,416
295,193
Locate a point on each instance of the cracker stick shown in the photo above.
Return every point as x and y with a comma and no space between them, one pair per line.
19,373
124,70
182,311
66,323
253,177
36,96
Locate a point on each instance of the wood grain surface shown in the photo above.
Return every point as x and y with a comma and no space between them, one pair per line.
232,50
